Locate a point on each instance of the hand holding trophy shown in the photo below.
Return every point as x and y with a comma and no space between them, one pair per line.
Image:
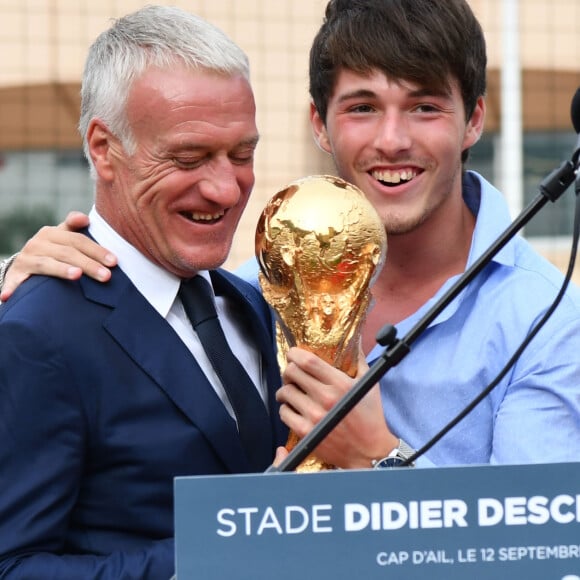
320,245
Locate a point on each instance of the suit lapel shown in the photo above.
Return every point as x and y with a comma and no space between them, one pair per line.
153,345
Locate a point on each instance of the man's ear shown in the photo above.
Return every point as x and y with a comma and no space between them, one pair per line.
319,130
102,146
474,127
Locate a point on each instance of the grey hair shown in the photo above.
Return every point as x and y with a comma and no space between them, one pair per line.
158,36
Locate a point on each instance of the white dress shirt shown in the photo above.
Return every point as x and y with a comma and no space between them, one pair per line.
160,288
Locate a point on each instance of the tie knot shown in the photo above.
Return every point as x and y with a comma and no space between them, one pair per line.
197,298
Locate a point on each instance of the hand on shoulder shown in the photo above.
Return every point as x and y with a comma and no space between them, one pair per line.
59,251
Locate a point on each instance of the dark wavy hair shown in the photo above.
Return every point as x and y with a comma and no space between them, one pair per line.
422,41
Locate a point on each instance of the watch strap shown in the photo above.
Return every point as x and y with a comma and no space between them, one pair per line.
4,265
397,456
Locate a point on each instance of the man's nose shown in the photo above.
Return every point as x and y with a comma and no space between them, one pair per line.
220,185
392,133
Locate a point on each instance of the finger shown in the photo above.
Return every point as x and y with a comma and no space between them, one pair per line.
53,251
67,246
314,366
295,375
297,423
19,271
75,221
293,396
299,410
10,284
281,454
58,253
24,266
78,250
70,264
320,380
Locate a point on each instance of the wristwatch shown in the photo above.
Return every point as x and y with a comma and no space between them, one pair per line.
4,265
396,457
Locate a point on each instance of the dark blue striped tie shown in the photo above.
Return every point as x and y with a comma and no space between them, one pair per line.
251,414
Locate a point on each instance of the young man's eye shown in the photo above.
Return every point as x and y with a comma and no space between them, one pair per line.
427,108
363,108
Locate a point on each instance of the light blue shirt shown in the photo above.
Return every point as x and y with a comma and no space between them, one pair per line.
533,415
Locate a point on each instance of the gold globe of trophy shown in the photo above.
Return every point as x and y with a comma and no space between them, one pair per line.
320,245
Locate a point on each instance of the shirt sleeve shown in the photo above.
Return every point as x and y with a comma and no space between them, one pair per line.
538,420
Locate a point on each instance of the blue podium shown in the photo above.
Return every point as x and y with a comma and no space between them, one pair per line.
454,523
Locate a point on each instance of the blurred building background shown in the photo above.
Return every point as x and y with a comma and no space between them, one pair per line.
534,71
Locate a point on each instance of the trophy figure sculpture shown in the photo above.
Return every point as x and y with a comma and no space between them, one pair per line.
320,245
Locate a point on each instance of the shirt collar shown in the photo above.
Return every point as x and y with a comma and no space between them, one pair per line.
492,218
157,285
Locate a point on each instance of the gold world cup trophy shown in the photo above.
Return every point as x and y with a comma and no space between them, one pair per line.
320,245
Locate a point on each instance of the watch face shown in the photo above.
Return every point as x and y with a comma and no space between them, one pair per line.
390,462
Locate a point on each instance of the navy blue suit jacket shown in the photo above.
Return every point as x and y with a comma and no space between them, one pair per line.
101,406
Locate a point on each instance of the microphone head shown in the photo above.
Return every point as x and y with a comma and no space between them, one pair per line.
575,111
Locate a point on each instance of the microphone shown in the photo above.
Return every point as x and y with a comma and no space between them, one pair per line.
575,114
575,111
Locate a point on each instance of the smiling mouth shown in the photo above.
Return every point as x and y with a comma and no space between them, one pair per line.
392,178
204,218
